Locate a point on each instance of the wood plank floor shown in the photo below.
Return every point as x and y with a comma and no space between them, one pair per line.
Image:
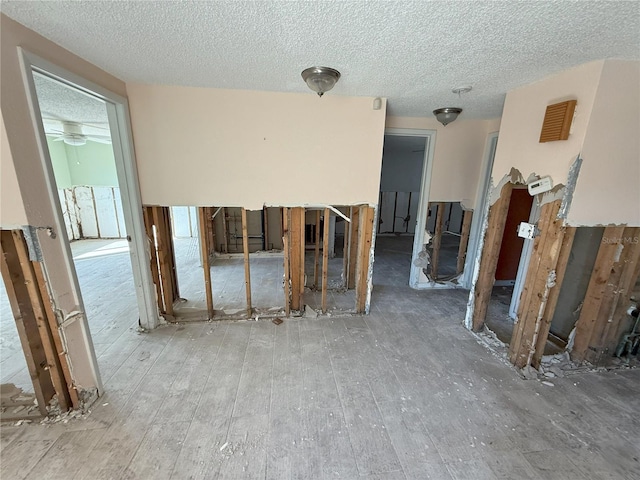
404,393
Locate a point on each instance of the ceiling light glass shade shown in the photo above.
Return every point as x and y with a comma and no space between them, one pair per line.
320,79
74,140
447,115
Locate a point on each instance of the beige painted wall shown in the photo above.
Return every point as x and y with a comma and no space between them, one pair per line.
205,146
524,109
607,191
12,214
459,150
39,210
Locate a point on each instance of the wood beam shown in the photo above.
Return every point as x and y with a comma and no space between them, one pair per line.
316,258
364,250
151,238
607,297
265,215
489,259
18,292
464,240
164,260
437,240
285,248
295,257
301,274
225,233
534,312
325,258
245,250
204,219
554,294
61,354
353,247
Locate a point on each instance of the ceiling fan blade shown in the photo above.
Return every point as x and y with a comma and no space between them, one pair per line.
103,140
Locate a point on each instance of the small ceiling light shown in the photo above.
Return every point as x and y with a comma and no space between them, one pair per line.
447,115
461,90
320,79
74,140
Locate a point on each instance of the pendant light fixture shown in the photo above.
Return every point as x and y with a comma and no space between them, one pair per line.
320,79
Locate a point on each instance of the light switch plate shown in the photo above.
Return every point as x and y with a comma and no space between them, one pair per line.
526,230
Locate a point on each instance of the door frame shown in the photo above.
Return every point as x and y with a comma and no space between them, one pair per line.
481,211
127,172
523,266
415,280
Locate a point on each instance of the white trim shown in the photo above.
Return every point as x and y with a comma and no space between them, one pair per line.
523,266
119,122
482,196
423,202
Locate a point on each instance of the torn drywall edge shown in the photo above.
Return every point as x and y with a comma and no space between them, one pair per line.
572,180
468,319
367,305
464,204
556,193
33,243
514,176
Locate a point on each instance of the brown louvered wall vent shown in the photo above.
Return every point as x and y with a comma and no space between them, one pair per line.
557,121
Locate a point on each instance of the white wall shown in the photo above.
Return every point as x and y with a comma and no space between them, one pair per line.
608,187
204,146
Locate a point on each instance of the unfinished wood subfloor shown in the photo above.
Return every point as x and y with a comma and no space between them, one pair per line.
405,392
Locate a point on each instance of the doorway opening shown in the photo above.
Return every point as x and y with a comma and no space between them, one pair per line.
404,185
85,174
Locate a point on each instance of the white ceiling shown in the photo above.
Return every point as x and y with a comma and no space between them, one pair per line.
60,103
412,52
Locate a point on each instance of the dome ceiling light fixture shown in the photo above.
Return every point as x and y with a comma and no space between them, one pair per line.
320,79
447,115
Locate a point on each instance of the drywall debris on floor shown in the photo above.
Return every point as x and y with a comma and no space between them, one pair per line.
15,404
309,312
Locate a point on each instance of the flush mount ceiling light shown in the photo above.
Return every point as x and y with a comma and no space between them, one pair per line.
447,115
320,79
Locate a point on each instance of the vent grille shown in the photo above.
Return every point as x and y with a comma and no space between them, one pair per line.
557,121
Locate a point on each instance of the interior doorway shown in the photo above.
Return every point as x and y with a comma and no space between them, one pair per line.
404,187
79,142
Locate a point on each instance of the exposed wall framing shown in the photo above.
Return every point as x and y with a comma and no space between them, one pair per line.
603,314
204,230
437,239
296,257
163,261
36,323
325,258
366,219
489,259
537,301
464,240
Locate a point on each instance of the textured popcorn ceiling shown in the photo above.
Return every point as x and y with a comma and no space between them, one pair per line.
413,53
